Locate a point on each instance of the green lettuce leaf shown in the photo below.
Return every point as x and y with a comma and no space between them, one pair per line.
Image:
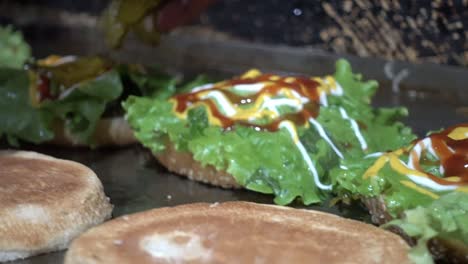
421,212
79,109
350,183
445,218
270,162
19,119
270,152
155,83
85,94
82,107
147,81
14,51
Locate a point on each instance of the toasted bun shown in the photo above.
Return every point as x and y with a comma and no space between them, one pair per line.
109,132
236,232
183,164
45,202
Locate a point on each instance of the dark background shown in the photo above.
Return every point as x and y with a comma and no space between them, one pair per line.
413,31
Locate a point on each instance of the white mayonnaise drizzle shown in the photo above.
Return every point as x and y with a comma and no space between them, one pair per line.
272,104
322,133
355,128
373,155
423,181
253,88
427,143
441,169
64,60
290,128
303,99
202,87
426,182
219,97
323,99
339,89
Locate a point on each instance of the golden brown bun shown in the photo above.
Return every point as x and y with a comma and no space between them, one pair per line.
235,232
109,132
183,163
45,202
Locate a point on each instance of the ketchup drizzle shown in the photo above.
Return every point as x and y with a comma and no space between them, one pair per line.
43,88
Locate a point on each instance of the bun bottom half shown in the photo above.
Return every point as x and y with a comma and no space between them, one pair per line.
183,163
235,232
46,202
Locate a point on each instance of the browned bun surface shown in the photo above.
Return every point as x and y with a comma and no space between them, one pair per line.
236,232
45,202
109,132
183,163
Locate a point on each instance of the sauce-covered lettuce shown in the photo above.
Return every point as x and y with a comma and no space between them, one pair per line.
292,160
424,184
71,92
79,110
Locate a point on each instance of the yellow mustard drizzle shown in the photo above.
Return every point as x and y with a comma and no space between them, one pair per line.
50,60
399,166
377,166
412,185
252,73
327,84
454,179
383,160
459,133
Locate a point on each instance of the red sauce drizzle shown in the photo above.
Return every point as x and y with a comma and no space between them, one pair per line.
454,163
43,88
303,86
